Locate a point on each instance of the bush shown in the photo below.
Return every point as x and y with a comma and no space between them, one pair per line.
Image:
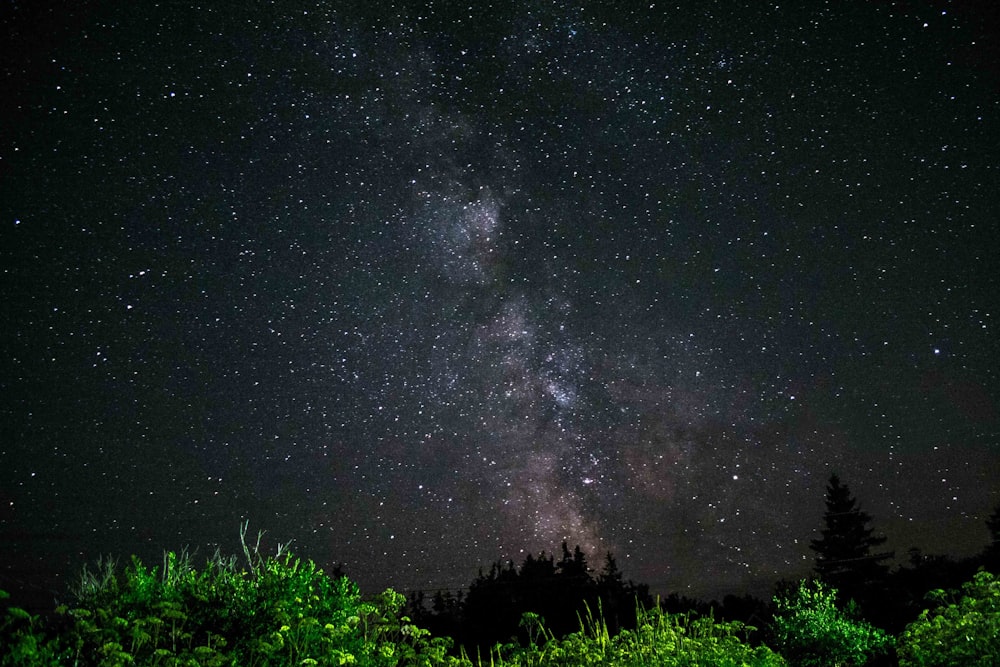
661,639
23,639
278,611
963,629
812,632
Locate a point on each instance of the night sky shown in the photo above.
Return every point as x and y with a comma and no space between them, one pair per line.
426,286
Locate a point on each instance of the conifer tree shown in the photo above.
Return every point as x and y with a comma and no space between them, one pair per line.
991,555
844,556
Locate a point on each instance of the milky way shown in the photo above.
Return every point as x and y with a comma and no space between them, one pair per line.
423,287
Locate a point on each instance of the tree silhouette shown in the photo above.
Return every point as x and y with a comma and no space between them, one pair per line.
558,591
574,566
844,556
619,598
991,555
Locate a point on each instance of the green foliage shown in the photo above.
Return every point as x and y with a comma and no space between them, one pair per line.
963,629
278,610
662,639
811,631
23,640
295,615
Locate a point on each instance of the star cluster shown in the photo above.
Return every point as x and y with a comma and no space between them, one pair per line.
430,285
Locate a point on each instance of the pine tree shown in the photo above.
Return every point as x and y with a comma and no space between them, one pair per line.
844,557
991,555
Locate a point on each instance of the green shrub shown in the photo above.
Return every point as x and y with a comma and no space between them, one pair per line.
23,640
277,611
660,639
811,631
963,629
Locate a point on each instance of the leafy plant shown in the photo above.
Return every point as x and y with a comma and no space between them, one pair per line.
23,640
960,631
272,610
811,631
667,640
276,610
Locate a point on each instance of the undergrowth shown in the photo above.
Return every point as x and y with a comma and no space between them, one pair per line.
281,610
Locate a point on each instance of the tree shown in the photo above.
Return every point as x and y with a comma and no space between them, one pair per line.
811,631
991,555
619,599
844,557
573,565
554,591
559,593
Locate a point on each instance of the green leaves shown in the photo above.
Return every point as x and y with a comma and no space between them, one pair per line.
289,612
668,640
283,611
961,630
22,640
811,631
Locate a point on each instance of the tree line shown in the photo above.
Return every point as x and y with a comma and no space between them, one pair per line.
557,590
280,610
848,559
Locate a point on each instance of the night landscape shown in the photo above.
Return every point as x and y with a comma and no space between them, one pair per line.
500,304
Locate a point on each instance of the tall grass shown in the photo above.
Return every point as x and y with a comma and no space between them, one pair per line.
660,638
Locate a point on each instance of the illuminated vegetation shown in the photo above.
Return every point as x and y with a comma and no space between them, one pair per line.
259,611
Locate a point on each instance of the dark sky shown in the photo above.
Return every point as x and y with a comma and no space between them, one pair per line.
427,286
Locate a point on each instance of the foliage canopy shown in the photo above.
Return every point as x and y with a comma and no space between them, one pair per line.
811,631
962,630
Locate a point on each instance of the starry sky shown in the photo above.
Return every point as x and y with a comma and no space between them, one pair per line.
421,286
